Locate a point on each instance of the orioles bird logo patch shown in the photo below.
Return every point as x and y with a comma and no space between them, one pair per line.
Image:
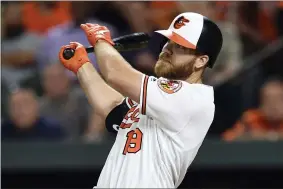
169,86
180,22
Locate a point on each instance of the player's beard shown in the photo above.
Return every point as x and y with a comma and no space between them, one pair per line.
165,68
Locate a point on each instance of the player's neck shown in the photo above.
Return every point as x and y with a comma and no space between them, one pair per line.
195,77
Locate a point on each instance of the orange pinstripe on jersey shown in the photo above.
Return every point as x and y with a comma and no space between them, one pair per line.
130,102
144,93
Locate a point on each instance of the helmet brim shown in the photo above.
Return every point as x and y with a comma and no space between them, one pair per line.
169,34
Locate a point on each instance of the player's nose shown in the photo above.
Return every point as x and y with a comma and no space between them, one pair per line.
167,50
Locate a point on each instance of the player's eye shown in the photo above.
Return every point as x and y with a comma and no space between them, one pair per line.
180,47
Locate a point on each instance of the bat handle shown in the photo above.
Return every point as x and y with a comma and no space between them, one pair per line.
68,53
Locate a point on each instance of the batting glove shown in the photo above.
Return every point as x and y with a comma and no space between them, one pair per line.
94,32
80,57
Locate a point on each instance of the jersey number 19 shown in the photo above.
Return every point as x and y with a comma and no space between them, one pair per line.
134,141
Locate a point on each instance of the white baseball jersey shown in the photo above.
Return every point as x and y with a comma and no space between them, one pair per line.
158,138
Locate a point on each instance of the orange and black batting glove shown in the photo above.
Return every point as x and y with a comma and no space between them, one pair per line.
80,57
95,32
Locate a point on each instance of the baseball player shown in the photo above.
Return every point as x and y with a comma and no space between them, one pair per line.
161,121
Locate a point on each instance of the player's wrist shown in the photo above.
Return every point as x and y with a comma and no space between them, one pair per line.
79,64
88,72
102,39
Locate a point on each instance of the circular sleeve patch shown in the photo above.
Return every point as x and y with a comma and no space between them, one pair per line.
169,86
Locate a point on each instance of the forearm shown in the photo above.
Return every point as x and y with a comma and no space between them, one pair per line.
117,72
113,67
101,96
110,62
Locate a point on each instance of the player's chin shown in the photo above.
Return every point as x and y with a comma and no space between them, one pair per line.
162,64
163,61
162,69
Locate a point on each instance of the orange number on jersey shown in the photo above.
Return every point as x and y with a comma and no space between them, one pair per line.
134,141
133,115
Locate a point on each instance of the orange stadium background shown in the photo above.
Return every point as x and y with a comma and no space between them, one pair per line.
244,146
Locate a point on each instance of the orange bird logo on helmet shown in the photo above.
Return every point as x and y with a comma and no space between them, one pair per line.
180,22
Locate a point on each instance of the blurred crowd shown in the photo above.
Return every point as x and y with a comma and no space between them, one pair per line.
43,101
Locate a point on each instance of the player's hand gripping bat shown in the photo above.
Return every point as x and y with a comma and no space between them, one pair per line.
124,43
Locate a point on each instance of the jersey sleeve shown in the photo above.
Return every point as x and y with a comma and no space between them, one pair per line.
116,116
168,101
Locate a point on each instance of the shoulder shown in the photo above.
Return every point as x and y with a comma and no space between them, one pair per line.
184,92
168,86
200,92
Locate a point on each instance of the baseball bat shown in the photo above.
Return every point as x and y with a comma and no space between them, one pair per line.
129,42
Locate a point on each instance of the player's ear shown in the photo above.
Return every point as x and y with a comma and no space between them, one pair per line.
201,62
